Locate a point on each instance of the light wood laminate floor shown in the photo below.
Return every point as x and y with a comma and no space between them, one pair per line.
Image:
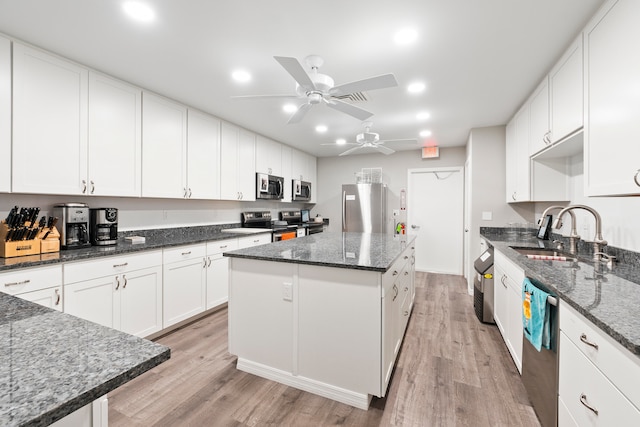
452,371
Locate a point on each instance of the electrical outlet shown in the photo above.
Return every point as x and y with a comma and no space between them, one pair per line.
396,212
287,291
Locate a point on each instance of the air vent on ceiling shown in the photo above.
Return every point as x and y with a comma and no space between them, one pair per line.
353,97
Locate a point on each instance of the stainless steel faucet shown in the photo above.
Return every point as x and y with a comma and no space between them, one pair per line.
573,237
598,241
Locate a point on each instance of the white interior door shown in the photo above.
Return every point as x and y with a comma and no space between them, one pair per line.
435,213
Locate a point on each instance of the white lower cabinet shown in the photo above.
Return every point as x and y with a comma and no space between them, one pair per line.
597,377
129,299
508,280
218,271
42,285
255,240
95,414
185,274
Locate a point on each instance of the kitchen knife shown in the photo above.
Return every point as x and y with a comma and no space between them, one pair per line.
53,222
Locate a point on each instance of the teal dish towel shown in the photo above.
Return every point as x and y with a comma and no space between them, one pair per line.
535,315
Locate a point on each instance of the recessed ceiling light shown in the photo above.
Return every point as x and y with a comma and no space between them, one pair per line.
425,133
321,128
341,141
290,108
139,11
241,76
416,87
423,115
405,36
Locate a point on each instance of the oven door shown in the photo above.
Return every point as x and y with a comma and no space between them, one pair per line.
284,234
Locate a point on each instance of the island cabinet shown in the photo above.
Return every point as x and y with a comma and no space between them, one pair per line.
507,295
121,292
5,115
612,101
332,331
598,378
42,285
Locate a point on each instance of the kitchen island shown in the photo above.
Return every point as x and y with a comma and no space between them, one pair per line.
324,313
53,365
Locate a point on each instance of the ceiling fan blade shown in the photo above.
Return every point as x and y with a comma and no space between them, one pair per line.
400,140
337,145
349,109
350,150
298,115
383,149
264,96
295,69
372,83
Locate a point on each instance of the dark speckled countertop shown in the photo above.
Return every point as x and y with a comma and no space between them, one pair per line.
52,364
356,251
608,298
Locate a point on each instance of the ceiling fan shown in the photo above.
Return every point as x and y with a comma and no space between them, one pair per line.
316,88
368,139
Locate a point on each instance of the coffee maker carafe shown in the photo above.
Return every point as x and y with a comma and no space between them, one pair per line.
73,225
103,226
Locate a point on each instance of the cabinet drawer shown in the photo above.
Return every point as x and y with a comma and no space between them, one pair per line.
50,297
184,253
221,246
617,363
31,279
255,240
87,270
581,383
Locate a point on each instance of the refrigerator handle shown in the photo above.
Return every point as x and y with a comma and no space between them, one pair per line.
344,209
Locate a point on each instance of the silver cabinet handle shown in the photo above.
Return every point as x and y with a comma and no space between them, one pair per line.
189,193
513,196
117,283
57,292
93,187
84,186
186,253
406,273
204,262
208,261
584,339
395,288
635,178
395,272
125,281
120,265
24,282
406,313
547,138
583,400
503,279
224,247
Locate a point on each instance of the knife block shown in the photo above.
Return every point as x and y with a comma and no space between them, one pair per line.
18,248
51,243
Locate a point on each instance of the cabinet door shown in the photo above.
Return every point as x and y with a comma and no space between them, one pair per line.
49,123
51,297
247,165
95,300
539,118
286,173
164,147
115,137
500,300
141,302
5,115
511,170
268,156
229,141
566,88
522,161
514,328
217,280
184,290
203,165
612,103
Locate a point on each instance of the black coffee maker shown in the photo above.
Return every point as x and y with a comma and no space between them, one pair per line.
103,226
73,225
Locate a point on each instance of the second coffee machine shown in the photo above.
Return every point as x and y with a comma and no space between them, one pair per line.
103,226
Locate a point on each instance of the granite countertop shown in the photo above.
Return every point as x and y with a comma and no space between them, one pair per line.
357,251
52,364
154,239
608,298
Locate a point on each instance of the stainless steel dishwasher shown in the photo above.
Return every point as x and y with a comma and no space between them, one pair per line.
540,368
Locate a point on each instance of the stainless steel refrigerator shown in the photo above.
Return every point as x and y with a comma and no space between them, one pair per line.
364,208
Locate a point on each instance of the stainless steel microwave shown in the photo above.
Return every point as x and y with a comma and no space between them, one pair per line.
301,191
269,186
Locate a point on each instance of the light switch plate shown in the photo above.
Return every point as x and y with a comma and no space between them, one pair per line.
487,216
287,291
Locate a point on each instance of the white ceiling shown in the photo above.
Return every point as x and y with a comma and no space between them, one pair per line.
479,59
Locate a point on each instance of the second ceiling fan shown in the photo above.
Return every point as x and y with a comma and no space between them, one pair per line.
316,88
368,139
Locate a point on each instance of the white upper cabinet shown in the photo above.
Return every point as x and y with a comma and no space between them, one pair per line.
203,165
268,156
518,178
49,123
539,129
164,147
115,137
286,172
237,163
5,115
612,109
566,89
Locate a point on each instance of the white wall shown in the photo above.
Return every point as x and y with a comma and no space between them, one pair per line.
335,171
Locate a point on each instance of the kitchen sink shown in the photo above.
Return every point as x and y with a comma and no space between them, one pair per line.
544,254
